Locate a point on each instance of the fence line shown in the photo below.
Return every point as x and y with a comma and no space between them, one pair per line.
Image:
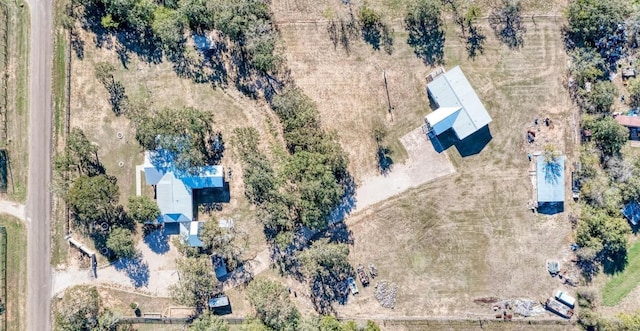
3,274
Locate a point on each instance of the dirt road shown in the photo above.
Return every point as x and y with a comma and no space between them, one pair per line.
38,209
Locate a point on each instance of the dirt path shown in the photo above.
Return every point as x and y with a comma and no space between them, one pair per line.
13,208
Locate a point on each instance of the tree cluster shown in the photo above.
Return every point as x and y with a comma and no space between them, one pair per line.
81,309
272,305
596,41
185,134
196,282
92,195
304,190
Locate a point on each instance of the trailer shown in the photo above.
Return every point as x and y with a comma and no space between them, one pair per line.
362,275
565,298
352,285
559,308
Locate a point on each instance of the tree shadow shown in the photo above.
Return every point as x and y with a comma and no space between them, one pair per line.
385,162
77,44
506,22
615,263
427,42
347,203
158,241
475,41
136,269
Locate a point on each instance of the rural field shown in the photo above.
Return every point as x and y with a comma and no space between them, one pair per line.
461,237
466,236
16,271
14,118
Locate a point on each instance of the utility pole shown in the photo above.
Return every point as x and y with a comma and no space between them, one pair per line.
386,87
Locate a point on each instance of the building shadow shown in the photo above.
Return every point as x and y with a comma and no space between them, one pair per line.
550,208
471,145
213,195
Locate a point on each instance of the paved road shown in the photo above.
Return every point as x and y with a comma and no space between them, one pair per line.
38,209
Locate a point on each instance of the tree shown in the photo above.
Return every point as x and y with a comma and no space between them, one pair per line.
426,30
198,14
325,265
609,135
168,24
586,66
120,242
592,20
197,283
506,22
93,199
107,322
313,188
142,209
104,72
373,30
601,97
79,154
604,234
79,309
209,322
183,131
253,324
633,87
272,304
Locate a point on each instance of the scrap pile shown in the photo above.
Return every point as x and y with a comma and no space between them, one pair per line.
526,308
386,294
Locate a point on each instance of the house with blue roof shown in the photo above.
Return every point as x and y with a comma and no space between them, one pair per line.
174,191
550,186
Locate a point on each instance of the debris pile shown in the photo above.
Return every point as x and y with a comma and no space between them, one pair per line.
386,294
526,307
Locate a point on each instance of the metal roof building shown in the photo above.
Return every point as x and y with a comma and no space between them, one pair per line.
632,212
174,190
550,180
458,105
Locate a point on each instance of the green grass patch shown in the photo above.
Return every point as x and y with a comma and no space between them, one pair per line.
16,272
59,82
623,282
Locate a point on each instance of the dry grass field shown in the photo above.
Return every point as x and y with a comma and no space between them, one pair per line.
468,235
157,86
465,236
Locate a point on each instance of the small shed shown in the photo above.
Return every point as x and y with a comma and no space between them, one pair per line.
550,185
219,267
628,72
632,212
220,305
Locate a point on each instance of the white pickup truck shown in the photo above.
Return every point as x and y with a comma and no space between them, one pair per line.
565,298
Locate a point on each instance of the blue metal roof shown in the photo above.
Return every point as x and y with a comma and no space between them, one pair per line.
550,179
632,212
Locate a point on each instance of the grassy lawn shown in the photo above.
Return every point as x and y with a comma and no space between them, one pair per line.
16,272
17,115
58,243
620,284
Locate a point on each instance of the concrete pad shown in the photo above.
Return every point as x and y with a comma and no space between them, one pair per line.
423,165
